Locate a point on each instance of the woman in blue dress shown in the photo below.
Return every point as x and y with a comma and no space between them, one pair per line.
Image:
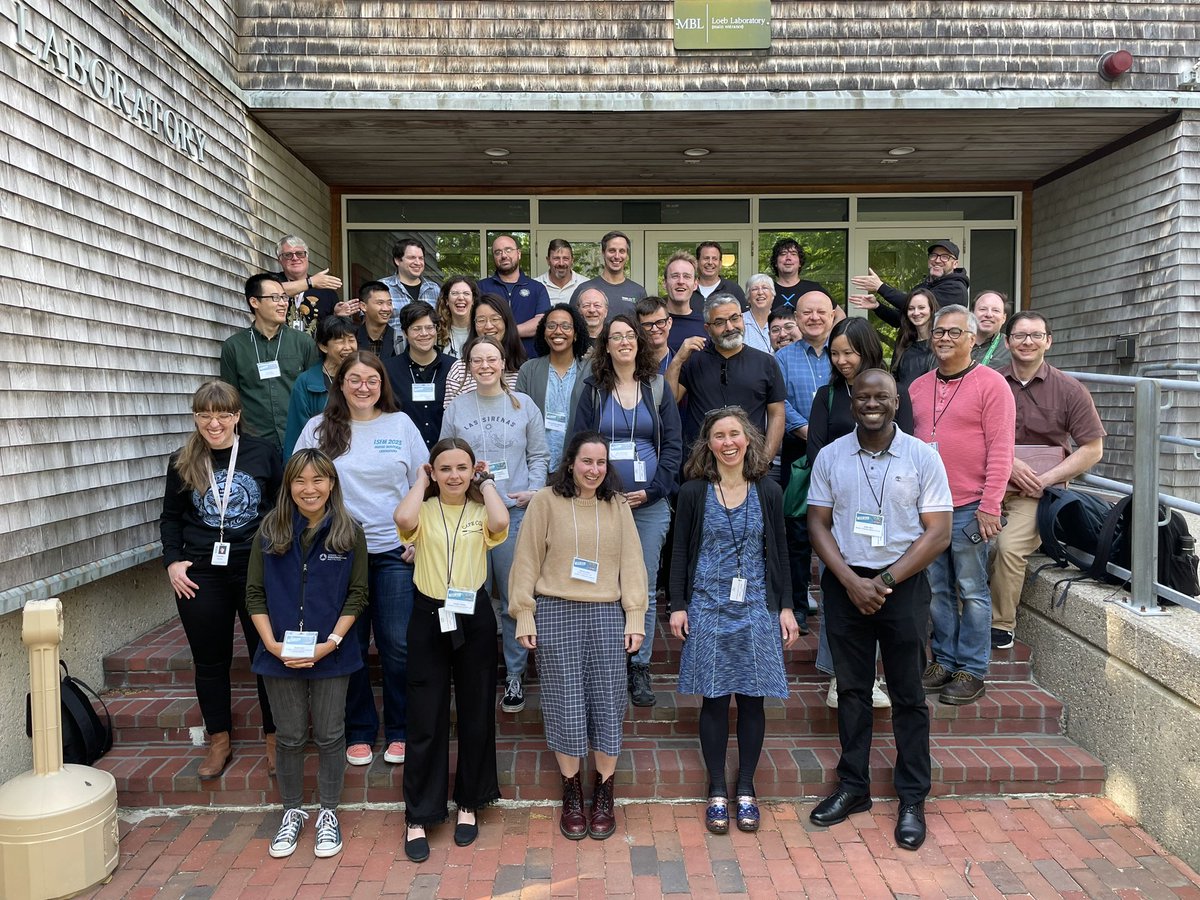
730,597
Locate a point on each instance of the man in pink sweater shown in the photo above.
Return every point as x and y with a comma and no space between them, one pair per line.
966,412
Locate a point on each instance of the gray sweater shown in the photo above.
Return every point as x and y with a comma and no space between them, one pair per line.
496,431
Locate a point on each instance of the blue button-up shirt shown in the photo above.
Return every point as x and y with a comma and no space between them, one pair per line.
804,370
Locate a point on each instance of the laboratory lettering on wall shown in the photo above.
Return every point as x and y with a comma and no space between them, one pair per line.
722,24
72,60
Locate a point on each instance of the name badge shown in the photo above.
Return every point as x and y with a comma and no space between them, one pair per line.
499,469
220,554
446,620
639,470
585,569
871,526
460,600
299,644
424,393
299,325
268,370
737,590
556,421
621,450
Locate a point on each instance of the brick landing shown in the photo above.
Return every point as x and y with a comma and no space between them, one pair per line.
1016,847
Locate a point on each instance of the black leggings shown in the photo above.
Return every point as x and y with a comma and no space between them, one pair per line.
714,741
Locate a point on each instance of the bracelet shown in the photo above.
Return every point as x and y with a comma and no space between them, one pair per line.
310,282
336,638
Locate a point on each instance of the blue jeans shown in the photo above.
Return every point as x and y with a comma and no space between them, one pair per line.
652,523
390,583
961,608
500,560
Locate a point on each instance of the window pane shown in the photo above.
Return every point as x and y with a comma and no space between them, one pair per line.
731,252
826,258
614,213
804,209
522,239
994,262
890,209
403,209
446,253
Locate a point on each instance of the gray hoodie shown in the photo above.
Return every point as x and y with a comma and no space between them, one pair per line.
498,432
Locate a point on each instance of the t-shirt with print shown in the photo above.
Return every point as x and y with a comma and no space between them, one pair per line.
443,531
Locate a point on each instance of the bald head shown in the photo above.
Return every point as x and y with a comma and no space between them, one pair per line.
814,315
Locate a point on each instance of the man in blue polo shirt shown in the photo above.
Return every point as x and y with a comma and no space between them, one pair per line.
527,297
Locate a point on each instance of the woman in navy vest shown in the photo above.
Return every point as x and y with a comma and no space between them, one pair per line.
306,584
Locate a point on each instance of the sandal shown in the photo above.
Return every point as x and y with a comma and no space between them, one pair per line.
716,817
747,813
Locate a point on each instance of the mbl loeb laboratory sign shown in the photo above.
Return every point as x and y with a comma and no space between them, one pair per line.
722,24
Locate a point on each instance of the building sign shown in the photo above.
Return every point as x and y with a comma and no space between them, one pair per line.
72,61
722,24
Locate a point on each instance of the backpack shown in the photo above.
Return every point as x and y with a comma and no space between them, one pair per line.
85,738
1073,521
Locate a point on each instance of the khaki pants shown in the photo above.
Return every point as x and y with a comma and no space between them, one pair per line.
1017,540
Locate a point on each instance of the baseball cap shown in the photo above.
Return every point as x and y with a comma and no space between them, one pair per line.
949,245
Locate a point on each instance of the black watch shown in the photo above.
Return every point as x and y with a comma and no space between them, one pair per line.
886,577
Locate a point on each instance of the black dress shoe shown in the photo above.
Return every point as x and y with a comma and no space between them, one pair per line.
838,807
465,834
910,826
417,849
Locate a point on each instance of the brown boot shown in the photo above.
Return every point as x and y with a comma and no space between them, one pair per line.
573,823
270,741
603,822
219,755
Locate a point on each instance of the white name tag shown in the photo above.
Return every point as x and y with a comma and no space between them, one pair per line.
585,569
621,450
499,469
737,590
639,470
220,554
268,370
299,644
870,526
424,393
460,600
556,421
446,620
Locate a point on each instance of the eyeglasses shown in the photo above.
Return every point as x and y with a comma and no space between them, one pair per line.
354,381
780,329
953,333
735,319
1035,336
560,326
488,320
940,257
622,338
460,295
505,251
423,329
656,324
294,254
275,298
207,418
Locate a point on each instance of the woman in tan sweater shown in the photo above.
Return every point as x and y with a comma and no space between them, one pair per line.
578,593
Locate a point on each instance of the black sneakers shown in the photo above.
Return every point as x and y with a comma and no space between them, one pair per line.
640,691
1001,639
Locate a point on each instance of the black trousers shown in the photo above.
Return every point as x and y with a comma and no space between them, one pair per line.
208,623
899,630
433,663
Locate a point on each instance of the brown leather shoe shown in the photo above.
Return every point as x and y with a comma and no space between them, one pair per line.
963,688
573,823
270,742
219,755
603,822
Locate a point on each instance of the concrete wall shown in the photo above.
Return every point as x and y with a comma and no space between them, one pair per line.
127,229
98,618
1116,250
1131,687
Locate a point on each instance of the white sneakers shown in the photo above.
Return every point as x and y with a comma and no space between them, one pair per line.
879,697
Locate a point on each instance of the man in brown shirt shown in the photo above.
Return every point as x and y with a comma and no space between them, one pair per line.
1053,410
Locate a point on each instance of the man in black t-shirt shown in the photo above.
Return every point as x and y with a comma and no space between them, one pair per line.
787,261
313,296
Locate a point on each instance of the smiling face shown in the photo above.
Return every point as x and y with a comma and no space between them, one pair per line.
1029,341
874,401
953,353
989,312
452,473
709,259
655,328
918,311
788,263
218,428
616,253
461,300
589,468
271,306
622,344
560,331
727,442
680,282
844,358
489,321
486,365
378,308
560,263
310,492
361,387
338,348
421,334
593,306
726,326
784,331
761,295
293,259
411,265
814,315
941,261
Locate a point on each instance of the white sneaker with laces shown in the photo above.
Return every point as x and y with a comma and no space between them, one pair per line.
831,699
329,835
879,697
288,834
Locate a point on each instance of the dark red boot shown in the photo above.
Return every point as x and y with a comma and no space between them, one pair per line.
603,822
574,823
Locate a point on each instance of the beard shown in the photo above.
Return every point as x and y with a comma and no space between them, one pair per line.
730,340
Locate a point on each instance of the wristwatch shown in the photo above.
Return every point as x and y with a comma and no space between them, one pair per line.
886,577
336,638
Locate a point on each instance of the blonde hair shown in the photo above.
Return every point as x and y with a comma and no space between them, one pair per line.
194,461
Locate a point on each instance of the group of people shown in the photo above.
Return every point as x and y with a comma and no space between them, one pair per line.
433,464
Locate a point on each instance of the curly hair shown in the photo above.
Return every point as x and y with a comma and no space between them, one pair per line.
644,365
444,318
562,479
582,342
701,463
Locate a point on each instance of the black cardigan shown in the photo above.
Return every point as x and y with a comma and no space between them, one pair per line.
689,533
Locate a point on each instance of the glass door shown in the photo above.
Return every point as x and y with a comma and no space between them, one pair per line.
737,253
585,247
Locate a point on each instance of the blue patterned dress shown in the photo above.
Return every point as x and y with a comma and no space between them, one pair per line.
731,648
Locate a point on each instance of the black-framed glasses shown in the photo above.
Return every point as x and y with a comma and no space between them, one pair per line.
656,324
940,257
953,333
560,326
735,319
1021,337
294,254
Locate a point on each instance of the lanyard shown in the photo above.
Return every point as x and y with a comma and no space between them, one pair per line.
451,546
987,357
937,417
878,498
573,519
483,431
222,500
616,401
278,346
737,544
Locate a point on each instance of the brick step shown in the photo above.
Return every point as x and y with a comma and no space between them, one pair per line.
156,775
162,658
167,715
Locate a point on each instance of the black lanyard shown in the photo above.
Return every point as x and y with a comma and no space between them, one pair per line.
937,417
878,498
737,544
451,546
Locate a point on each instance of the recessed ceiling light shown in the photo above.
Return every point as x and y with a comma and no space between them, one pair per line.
696,152
901,151
496,152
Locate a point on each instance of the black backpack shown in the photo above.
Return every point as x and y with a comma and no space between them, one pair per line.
85,738
1071,521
